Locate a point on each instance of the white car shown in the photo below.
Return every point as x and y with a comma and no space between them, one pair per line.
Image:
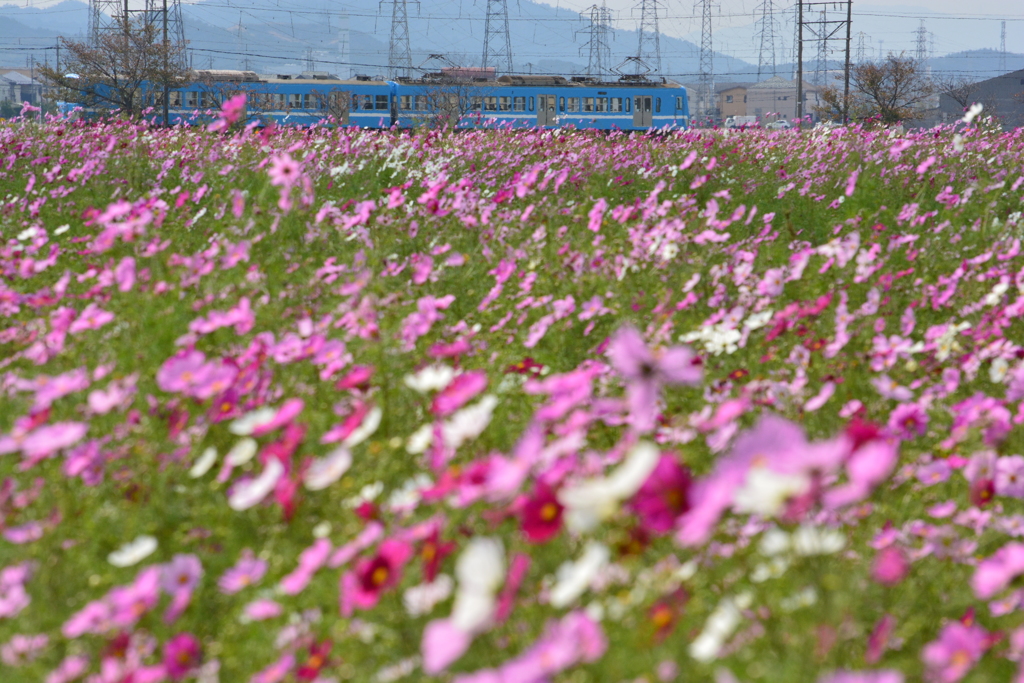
778,125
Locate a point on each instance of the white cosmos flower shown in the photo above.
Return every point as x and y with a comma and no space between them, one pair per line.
328,469
720,625
575,577
253,491
203,463
480,570
765,492
420,439
365,429
133,553
470,422
245,425
430,378
814,540
758,320
420,600
997,372
589,502
973,112
242,452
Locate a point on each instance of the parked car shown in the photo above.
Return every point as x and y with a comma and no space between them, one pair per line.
778,125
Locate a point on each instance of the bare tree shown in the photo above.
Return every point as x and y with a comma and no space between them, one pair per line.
333,104
959,88
117,71
888,91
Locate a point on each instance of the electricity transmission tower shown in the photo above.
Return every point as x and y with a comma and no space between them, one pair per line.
706,82
104,16
921,53
399,54
649,47
821,63
766,32
834,19
599,51
861,47
497,43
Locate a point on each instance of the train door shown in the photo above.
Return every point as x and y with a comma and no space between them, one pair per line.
642,115
547,110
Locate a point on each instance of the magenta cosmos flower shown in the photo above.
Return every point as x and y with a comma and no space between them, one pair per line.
664,496
182,654
646,371
363,587
957,650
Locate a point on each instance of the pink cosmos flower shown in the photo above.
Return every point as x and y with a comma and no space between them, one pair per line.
182,655
362,587
91,318
70,668
310,561
878,641
182,573
247,571
129,603
890,567
180,373
124,274
288,411
216,380
880,676
1010,476
284,171
261,609
645,372
459,392
957,650
46,441
22,649
664,496
908,420
994,573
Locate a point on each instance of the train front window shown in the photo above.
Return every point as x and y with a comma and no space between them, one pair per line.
518,104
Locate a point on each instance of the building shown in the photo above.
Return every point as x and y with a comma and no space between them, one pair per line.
732,99
775,98
1002,97
16,87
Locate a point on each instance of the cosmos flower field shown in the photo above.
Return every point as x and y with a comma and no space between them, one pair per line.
502,407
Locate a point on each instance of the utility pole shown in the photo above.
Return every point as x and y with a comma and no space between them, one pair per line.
497,43
846,64
1002,47
766,54
399,54
649,38
707,60
167,86
800,63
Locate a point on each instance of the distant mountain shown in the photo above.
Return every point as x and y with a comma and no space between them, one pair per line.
266,37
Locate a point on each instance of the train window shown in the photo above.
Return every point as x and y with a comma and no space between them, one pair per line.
308,101
679,103
588,104
519,104
279,100
175,99
574,104
531,104
382,102
629,101
295,100
476,103
504,103
657,105
367,102
405,102
615,104
338,101
421,102
491,103
601,104
191,99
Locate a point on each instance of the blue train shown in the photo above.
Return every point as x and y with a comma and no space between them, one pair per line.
465,99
